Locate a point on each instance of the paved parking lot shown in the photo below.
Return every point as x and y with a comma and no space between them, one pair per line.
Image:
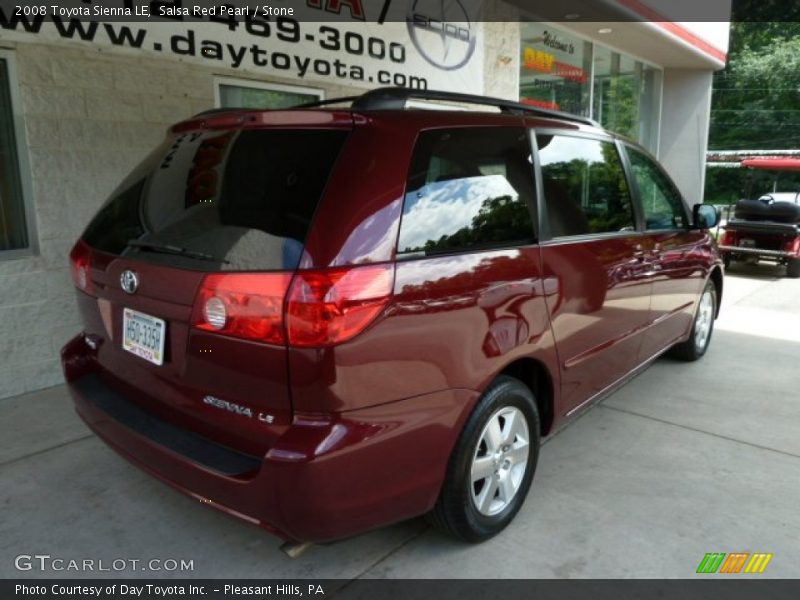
684,460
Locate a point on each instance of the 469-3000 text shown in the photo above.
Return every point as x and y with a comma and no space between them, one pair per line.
282,28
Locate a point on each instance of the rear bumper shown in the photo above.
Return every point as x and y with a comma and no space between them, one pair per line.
326,478
757,251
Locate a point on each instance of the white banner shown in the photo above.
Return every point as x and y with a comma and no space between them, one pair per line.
426,44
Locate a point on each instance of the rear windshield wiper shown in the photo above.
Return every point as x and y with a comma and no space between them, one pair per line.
176,250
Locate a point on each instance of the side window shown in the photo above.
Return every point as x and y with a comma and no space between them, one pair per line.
468,188
585,189
661,201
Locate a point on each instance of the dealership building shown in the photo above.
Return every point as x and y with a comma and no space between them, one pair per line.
83,101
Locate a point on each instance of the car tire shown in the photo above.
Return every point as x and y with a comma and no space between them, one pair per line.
474,507
702,327
726,260
793,268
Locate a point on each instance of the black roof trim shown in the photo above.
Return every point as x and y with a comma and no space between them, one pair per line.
395,98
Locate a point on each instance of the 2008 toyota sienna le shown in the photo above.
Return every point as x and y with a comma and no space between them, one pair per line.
323,320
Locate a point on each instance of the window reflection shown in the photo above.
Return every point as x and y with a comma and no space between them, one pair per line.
555,69
585,190
626,96
468,188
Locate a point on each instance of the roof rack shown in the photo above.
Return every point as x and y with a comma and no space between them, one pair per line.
395,98
216,111
327,102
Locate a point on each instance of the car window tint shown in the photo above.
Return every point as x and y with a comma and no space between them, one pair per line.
584,185
244,197
661,201
468,188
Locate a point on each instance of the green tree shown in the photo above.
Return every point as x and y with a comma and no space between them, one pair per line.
756,102
757,99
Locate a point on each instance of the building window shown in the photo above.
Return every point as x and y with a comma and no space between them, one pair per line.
555,69
627,95
242,93
560,71
14,232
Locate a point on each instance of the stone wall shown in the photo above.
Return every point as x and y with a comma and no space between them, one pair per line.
502,51
90,117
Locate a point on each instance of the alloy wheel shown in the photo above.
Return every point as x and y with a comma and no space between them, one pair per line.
500,460
704,320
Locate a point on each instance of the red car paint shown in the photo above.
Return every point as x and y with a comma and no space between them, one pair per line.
358,434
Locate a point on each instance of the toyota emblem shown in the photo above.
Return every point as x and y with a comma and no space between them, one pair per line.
129,281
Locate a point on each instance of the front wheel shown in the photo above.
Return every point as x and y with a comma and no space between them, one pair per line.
702,328
492,465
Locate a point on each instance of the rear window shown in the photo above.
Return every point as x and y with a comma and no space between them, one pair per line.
221,200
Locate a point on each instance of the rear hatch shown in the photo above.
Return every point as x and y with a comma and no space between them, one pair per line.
220,210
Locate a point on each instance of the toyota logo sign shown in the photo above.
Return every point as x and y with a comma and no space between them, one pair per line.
442,32
129,281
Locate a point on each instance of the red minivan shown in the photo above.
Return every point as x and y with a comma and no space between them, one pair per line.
323,320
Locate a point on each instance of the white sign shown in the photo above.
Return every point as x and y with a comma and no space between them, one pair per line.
434,44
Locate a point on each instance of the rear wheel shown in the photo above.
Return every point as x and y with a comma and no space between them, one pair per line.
492,465
702,328
793,268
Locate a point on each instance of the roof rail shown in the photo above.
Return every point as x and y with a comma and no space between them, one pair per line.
394,98
216,111
327,102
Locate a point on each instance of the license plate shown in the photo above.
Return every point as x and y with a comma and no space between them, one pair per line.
143,335
745,243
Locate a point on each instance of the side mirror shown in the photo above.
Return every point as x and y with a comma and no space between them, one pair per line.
704,216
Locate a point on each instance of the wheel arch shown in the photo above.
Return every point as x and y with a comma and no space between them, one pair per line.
534,374
717,278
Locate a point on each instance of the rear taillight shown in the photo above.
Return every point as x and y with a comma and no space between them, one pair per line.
331,306
793,246
323,308
243,305
80,264
729,238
